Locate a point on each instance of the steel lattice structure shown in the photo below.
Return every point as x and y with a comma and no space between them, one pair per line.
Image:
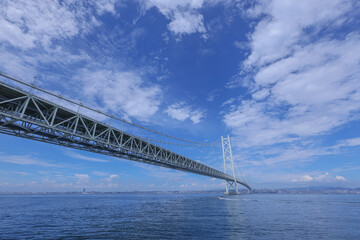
229,165
23,114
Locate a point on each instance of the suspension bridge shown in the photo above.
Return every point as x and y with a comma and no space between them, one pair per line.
36,114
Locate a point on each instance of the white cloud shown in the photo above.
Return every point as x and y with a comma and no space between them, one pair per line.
180,111
105,6
352,142
38,23
213,94
311,82
26,160
112,177
82,177
241,45
82,157
261,94
187,23
197,116
183,14
340,178
23,66
326,177
120,92
305,178
168,7
279,34
321,177
228,102
25,24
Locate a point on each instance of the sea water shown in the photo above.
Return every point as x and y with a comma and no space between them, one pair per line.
179,216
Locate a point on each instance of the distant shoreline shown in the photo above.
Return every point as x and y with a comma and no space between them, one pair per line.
301,190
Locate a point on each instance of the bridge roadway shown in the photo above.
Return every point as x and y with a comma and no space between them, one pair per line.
23,114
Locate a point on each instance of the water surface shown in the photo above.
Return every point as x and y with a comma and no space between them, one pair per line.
179,216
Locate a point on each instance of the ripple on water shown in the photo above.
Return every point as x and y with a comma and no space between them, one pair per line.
179,216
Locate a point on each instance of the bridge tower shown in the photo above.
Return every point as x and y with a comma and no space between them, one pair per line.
231,186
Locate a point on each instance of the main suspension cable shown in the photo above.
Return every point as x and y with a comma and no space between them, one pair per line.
32,86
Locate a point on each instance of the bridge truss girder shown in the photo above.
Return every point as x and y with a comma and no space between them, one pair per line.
25,115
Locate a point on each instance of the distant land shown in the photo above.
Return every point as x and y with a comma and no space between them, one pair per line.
310,190
298,190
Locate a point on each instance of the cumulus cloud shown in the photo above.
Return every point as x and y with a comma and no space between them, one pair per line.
183,14
305,178
340,178
35,31
326,177
112,177
261,94
309,80
105,6
180,111
27,24
36,27
120,93
186,23
279,34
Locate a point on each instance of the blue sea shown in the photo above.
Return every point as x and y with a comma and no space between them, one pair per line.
179,216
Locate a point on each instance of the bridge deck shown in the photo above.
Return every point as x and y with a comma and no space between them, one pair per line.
25,115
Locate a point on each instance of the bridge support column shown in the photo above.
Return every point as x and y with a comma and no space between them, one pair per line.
231,186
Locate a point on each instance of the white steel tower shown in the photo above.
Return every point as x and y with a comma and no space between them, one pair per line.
231,186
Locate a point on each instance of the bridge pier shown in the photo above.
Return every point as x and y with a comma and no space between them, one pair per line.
231,189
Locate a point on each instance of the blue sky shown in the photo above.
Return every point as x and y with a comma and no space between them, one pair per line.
282,78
